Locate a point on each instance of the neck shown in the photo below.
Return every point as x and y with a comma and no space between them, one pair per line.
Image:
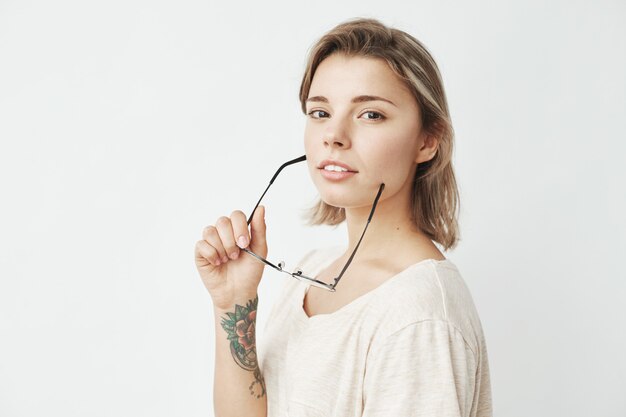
388,232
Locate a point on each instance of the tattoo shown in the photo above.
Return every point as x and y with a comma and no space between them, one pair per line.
241,329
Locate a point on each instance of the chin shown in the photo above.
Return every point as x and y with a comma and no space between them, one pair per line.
333,203
342,200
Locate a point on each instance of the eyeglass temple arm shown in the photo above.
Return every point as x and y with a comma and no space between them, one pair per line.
293,161
265,261
382,187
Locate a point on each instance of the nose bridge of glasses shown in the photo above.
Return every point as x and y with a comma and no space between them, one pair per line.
297,273
297,270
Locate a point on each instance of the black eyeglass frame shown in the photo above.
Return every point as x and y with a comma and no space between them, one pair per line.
298,273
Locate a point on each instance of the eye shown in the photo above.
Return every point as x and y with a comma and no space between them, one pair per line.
377,115
315,111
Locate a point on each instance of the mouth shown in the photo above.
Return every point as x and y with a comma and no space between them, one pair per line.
336,175
338,166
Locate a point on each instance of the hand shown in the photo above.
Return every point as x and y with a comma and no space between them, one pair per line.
228,273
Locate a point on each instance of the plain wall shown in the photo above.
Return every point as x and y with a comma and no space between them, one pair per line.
128,126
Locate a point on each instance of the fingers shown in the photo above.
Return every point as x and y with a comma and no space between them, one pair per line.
208,252
239,223
212,237
258,227
224,235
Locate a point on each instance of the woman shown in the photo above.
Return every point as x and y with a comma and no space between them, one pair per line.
400,335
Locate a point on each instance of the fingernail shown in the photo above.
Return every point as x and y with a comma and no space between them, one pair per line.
234,255
242,241
224,258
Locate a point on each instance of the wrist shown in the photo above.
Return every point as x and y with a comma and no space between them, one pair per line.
243,302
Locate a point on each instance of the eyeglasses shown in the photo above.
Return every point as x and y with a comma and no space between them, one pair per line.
298,272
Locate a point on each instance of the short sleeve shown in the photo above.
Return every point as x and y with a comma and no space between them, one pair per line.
423,369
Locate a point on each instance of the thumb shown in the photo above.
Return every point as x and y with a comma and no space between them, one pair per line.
258,243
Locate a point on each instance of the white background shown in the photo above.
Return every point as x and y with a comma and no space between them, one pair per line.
128,126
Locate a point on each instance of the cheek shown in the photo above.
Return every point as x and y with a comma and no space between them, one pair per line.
313,156
391,163
387,153
312,153
309,138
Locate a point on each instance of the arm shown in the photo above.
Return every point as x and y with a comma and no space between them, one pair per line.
424,369
239,388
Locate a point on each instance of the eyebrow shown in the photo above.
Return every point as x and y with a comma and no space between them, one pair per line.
357,99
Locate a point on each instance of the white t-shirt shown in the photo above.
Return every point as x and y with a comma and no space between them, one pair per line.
413,346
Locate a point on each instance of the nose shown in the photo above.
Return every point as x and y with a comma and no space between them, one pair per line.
337,135
335,142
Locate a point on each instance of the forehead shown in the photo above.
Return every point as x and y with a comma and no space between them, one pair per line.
340,74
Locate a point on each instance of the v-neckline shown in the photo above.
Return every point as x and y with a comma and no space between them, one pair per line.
360,299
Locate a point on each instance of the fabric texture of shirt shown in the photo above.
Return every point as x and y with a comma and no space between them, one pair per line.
413,346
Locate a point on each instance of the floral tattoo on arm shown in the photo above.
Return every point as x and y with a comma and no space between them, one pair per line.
240,327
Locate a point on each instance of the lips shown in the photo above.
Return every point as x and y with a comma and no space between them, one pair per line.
325,162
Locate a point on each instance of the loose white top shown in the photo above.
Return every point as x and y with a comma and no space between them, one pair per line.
413,346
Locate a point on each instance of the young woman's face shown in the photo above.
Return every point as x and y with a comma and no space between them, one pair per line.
377,136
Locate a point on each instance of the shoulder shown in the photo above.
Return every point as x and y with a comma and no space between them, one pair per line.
430,293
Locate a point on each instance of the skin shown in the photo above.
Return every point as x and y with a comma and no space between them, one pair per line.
383,142
240,328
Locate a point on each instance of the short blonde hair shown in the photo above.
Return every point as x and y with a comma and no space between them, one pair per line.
435,197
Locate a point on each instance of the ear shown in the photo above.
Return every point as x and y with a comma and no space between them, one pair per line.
428,145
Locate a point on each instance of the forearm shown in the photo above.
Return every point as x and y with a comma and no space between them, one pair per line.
239,388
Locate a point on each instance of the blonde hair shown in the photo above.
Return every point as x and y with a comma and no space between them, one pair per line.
435,196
